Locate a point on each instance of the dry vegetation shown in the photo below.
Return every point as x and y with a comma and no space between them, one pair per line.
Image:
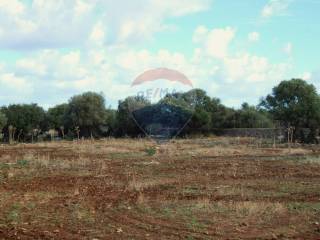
215,188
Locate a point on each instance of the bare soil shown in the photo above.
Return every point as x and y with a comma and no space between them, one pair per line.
214,188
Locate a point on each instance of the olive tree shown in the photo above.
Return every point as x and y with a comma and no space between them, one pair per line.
296,105
87,113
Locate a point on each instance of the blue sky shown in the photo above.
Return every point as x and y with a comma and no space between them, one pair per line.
235,50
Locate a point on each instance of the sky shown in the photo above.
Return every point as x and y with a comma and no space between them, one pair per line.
237,51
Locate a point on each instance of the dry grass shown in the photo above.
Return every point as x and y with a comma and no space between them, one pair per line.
214,188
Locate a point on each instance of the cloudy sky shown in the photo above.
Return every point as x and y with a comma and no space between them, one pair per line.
235,50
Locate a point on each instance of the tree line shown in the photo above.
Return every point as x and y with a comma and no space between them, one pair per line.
293,104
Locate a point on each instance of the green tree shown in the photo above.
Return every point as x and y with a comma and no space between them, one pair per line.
56,116
251,117
219,114
55,119
3,121
26,119
295,103
88,112
198,103
126,124
111,121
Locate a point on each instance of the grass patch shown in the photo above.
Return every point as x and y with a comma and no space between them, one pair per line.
304,207
82,214
150,151
22,163
13,216
4,166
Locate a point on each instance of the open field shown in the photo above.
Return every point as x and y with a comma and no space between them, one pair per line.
217,188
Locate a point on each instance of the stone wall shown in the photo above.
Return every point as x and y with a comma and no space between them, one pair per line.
255,132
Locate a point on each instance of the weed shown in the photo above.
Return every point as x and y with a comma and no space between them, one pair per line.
304,207
81,213
167,212
22,163
4,166
150,151
195,224
190,238
13,216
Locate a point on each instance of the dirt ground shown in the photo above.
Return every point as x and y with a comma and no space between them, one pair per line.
214,188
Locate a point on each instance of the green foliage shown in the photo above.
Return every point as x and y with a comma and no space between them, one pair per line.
294,103
3,121
150,151
22,163
162,119
25,118
14,214
196,102
219,113
56,116
86,111
111,121
126,124
251,117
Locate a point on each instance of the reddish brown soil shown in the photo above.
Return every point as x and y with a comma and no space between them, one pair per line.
189,190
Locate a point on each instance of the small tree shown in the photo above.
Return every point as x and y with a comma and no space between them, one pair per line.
62,131
3,122
126,124
296,105
11,134
24,118
35,132
86,112
56,118
19,134
77,131
52,133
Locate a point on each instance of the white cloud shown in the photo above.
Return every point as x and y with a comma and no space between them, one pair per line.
275,8
82,7
111,68
200,34
288,48
180,8
254,69
25,26
98,34
44,24
215,42
306,76
218,42
29,66
141,19
13,82
70,59
254,36
241,74
69,23
127,29
14,88
14,7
